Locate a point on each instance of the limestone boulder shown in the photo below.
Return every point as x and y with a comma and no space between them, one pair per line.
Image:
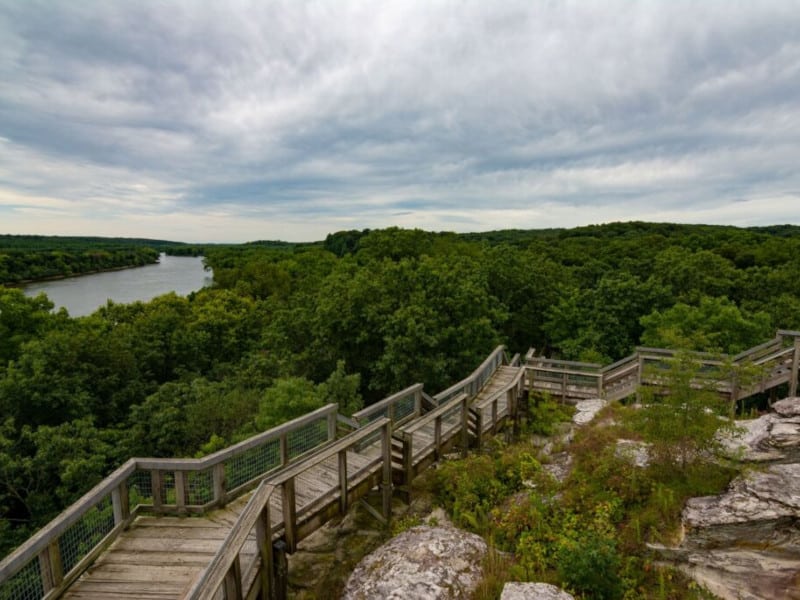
586,410
788,407
534,591
431,563
762,505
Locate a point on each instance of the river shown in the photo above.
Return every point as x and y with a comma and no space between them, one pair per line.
84,294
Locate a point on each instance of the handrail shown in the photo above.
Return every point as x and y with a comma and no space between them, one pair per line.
399,407
614,379
172,485
472,384
225,568
210,580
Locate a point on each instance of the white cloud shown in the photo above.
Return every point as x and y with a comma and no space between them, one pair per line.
249,120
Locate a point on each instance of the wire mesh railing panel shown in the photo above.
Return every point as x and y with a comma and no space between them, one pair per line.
26,584
404,407
450,395
252,463
140,488
307,438
374,416
199,487
79,539
168,495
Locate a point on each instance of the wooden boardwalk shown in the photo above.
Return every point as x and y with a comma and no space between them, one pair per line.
159,557
219,527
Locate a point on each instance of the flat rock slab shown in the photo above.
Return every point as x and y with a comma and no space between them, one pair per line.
760,496
534,591
586,410
788,407
422,563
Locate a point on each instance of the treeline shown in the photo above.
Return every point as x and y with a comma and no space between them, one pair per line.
30,258
289,327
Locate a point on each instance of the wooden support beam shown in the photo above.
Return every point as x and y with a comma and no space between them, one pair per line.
181,488
284,448
343,481
264,542
280,569
386,443
218,476
120,501
289,514
50,567
795,363
233,581
465,426
437,437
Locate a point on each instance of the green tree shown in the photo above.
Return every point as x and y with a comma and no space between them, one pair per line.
715,325
682,415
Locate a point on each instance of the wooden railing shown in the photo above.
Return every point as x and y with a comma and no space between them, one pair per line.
501,404
776,362
472,384
241,570
400,408
56,555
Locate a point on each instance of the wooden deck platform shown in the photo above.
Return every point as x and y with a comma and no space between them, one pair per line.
159,557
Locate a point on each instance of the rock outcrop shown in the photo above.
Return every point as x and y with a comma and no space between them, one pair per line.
421,563
745,544
774,437
586,410
534,591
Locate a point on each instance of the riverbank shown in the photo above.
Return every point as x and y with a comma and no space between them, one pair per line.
22,283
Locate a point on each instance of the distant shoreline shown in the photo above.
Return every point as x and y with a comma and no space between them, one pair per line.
24,282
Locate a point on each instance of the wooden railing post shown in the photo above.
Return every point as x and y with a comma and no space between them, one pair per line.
218,476
233,581
289,514
332,426
564,387
386,443
465,426
600,382
343,481
494,416
264,542
795,363
120,501
437,437
181,488
284,449
50,566
408,460
280,569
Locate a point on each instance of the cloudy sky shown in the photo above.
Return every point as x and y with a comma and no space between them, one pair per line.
235,121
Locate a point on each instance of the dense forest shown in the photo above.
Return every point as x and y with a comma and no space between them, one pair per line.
289,327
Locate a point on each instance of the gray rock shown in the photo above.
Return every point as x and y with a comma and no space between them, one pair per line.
788,407
763,506
743,574
745,544
533,591
635,451
586,410
421,563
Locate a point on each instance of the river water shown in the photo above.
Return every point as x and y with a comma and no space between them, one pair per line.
84,294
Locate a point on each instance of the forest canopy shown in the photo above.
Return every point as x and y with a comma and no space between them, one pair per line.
288,327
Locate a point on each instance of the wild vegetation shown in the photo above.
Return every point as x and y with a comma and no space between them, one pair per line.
289,327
